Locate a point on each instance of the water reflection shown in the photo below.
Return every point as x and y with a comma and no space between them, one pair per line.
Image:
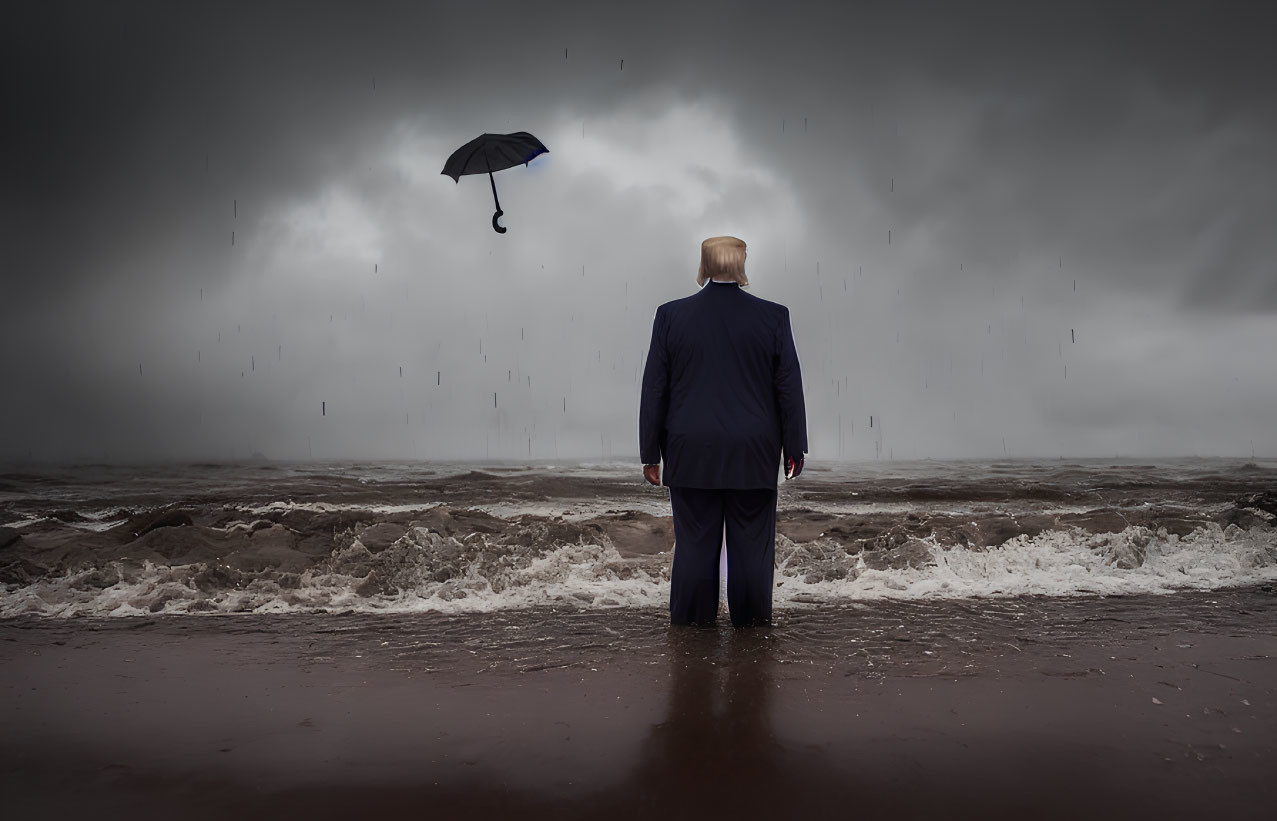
715,749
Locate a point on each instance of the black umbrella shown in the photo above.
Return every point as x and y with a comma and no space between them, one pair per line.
493,152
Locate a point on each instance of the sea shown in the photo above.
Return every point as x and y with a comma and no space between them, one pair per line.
265,538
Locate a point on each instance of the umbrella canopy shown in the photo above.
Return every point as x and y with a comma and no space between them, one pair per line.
493,152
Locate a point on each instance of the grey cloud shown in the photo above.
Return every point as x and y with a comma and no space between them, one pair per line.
1009,148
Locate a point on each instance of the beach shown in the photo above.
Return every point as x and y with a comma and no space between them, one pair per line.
1112,708
959,640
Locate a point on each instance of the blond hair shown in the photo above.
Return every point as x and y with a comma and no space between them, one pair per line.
722,258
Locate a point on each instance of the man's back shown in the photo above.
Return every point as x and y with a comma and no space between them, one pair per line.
722,391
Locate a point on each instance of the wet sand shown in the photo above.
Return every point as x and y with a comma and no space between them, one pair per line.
1141,706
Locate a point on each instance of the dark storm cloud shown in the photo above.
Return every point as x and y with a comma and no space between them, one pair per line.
1022,145
116,107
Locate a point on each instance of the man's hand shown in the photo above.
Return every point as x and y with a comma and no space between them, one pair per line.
652,473
792,468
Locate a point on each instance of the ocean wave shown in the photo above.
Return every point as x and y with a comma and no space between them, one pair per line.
527,565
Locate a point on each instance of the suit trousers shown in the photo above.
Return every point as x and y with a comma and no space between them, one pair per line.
703,518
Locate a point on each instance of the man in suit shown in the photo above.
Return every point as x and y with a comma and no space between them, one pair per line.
722,401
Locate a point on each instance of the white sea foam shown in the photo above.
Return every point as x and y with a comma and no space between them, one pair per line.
18,524
1064,563
95,523
481,577
99,520
330,507
573,510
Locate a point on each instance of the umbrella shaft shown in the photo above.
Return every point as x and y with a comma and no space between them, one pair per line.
494,190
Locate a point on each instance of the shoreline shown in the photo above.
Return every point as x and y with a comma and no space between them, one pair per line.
1108,708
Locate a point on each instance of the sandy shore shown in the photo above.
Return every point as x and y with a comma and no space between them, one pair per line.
610,714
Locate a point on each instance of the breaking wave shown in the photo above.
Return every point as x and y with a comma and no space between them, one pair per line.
401,538
525,566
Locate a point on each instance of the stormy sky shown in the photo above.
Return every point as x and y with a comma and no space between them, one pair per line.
1031,229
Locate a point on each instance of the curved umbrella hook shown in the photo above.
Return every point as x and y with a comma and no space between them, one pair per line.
500,229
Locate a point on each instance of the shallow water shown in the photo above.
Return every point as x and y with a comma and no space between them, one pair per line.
872,639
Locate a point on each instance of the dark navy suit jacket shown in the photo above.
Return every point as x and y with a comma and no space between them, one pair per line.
722,397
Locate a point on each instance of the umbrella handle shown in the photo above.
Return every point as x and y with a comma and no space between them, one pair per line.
500,229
